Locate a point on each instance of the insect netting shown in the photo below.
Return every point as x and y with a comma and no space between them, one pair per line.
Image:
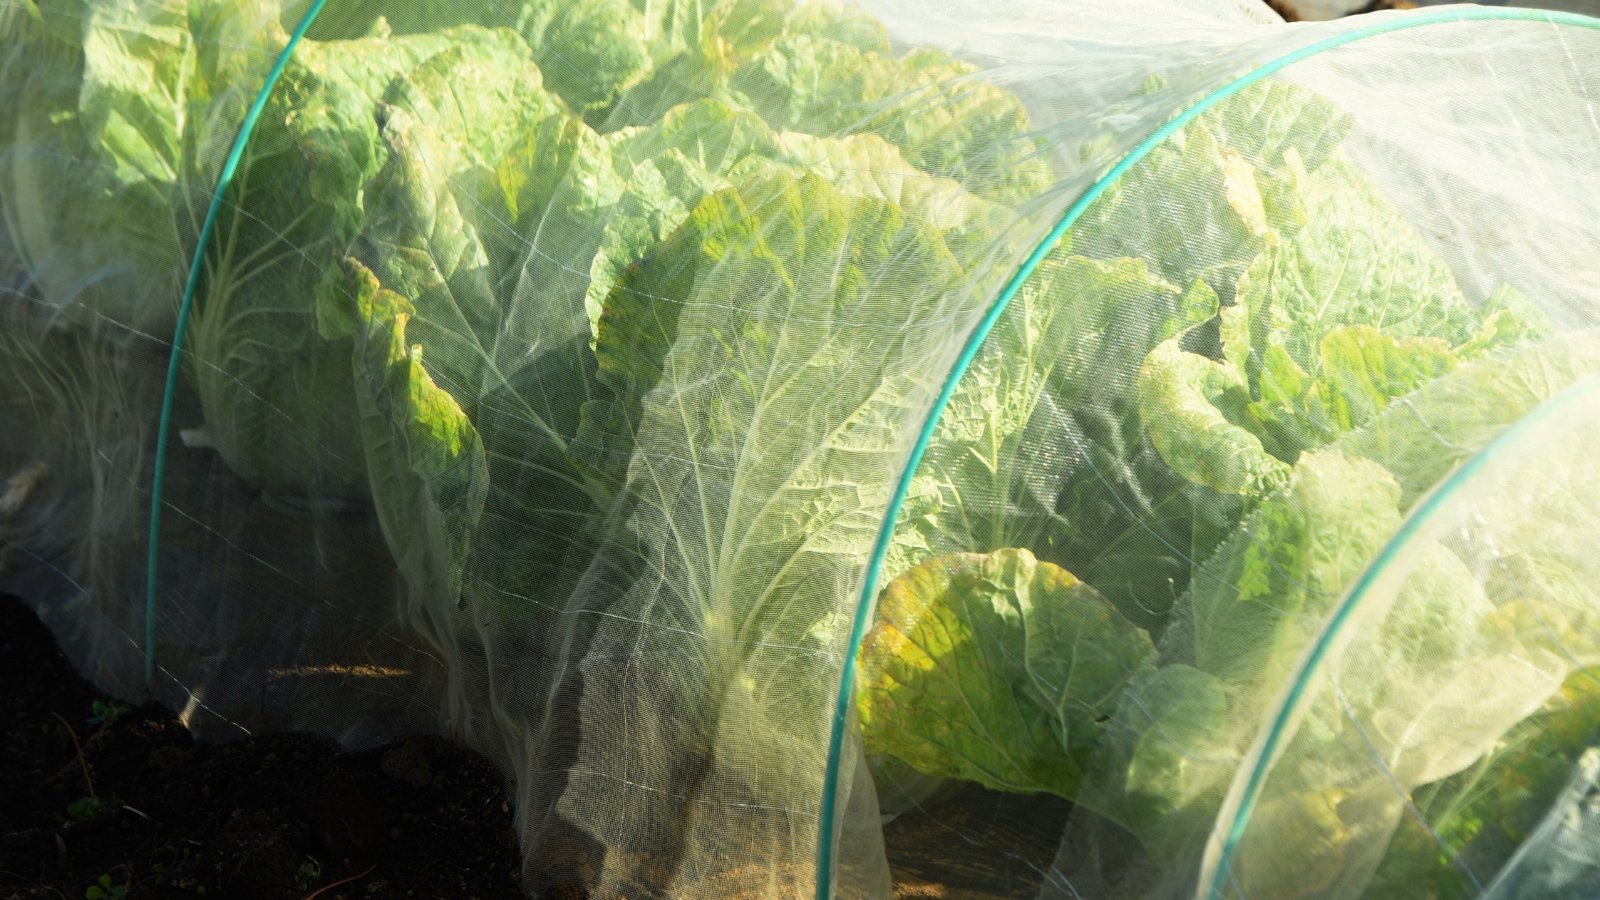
838,450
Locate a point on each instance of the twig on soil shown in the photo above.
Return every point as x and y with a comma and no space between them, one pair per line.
52,889
137,813
83,763
328,887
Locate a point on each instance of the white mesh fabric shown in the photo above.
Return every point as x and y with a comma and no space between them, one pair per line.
553,367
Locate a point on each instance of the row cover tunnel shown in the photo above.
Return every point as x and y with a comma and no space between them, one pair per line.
1152,447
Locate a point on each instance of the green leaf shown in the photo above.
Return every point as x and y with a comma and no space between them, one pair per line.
1509,317
1421,437
276,397
461,114
1192,208
1356,261
695,46
437,213
1273,122
590,205
1172,738
1359,370
110,127
837,22
946,122
1064,345
589,52
1057,371
1487,811
1268,589
995,668
667,168
1327,328
1185,398
423,456
422,159
866,165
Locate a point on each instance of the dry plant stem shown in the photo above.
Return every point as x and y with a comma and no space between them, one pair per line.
19,486
328,887
82,763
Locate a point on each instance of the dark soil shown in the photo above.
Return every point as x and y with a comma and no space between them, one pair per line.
145,808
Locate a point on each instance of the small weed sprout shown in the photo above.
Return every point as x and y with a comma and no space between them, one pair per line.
309,873
84,809
105,712
104,889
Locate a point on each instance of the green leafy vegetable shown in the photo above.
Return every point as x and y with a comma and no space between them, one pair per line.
1321,371
1066,346
792,417
110,127
944,688
627,314
405,192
